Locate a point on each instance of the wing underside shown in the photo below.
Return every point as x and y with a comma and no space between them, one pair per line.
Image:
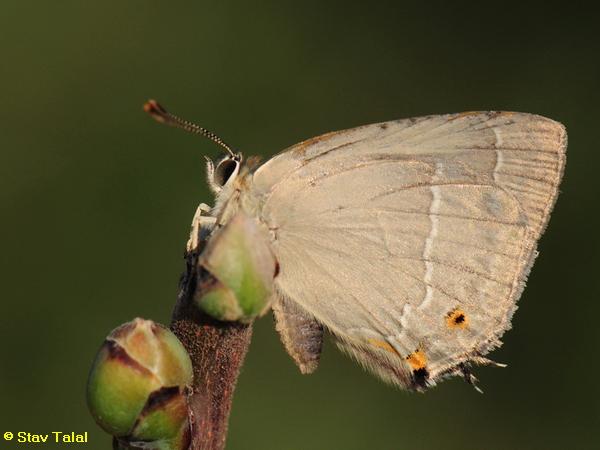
411,241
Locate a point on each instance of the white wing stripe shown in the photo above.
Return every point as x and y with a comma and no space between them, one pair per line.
499,155
434,209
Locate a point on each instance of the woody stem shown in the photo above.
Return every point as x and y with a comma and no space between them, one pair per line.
217,350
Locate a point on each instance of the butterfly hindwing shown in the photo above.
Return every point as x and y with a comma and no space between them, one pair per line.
411,240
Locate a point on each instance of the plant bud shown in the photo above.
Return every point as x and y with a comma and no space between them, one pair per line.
137,386
237,270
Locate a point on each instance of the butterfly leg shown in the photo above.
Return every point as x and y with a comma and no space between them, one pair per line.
202,225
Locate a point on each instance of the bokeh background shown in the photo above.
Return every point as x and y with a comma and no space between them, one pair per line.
96,199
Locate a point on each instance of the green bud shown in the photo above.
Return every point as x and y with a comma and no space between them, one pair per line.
137,386
238,270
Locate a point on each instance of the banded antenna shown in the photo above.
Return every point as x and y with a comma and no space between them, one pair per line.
161,115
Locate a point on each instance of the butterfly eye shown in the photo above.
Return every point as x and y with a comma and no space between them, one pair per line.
226,170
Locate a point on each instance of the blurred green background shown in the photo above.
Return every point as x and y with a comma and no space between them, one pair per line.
97,199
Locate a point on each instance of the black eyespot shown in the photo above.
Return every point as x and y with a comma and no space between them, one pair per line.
224,171
420,377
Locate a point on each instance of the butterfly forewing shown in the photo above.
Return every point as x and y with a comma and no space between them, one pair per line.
411,240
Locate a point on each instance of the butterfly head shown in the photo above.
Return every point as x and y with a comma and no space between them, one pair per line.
224,172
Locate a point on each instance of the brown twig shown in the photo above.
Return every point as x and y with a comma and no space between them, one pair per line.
217,350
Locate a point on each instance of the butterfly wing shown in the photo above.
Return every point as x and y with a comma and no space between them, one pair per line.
411,240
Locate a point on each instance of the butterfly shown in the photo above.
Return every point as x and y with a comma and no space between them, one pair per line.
408,241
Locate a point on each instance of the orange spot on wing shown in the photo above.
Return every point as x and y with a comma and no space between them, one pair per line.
457,319
417,359
382,344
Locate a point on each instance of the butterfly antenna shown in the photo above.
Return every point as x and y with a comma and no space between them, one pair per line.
161,115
